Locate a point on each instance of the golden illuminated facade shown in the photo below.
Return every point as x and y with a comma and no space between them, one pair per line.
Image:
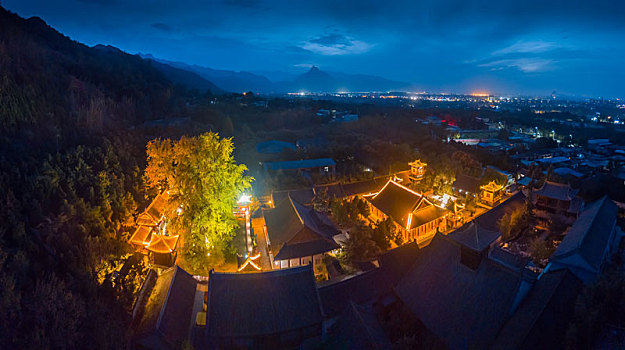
417,170
490,195
150,237
415,217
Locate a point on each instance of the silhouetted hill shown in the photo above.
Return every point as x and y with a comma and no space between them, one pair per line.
186,78
314,80
227,80
49,80
234,81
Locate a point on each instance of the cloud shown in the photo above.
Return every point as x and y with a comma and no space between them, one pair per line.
331,40
335,44
162,26
528,47
530,56
526,65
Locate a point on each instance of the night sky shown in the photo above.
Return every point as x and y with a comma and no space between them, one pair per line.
524,47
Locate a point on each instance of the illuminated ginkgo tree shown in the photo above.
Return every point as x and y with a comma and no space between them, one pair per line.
204,183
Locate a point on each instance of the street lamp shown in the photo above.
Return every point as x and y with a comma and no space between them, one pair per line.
245,199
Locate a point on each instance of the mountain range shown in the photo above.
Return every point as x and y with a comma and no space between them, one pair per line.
314,80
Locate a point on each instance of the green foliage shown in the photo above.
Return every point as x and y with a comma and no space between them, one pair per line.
321,202
361,246
466,164
492,175
439,176
363,208
66,235
349,213
512,224
540,250
50,331
339,212
205,182
70,181
384,232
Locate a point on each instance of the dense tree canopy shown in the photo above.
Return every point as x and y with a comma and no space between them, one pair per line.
204,183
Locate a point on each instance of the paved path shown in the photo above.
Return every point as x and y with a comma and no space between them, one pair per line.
258,224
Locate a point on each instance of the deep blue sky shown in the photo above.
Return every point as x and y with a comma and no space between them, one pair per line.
525,46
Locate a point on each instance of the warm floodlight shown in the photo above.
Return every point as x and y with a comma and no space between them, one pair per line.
245,199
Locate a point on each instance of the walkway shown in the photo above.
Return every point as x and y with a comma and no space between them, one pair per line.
258,224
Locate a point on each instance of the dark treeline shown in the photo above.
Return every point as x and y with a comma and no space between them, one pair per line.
71,179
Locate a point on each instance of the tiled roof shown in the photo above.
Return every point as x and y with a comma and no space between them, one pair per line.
563,171
489,220
589,236
263,303
425,215
338,190
396,262
557,191
157,208
364,187
169,310
153,214
542,319
357,328
474,236
141,235
298,250
370,285
336,295
162,244
491,187
145,219
304,195
396,201
464,307
299,230
507,258
333,190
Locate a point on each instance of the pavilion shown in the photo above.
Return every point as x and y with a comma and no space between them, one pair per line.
298,235
415,217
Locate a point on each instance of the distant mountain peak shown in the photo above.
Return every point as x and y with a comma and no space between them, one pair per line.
314,69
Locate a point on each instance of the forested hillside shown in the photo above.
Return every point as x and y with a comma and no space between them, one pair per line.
70,181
